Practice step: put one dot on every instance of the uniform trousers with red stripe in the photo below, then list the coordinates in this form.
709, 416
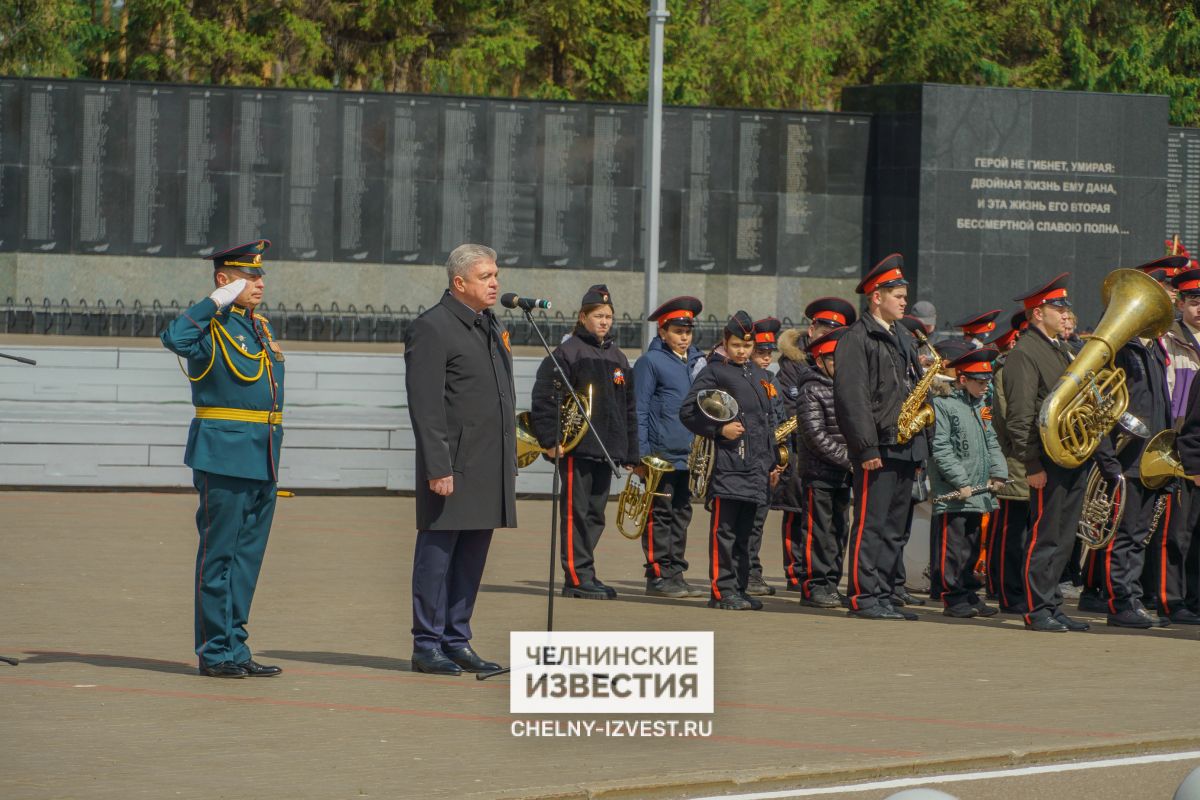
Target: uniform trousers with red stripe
1053, 519
665, 536
899, 572
1093, 573
791, 529
881, 503
820, 537
1175, 550
1006, 553
729, 546
957, 536
582, 498
755, 543
1121, 561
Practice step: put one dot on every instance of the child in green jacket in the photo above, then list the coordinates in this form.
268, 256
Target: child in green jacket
965, 469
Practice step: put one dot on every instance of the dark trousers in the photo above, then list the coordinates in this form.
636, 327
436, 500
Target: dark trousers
234, 521
1175, 552
1053, 519
882, 498
756, 539
447, 568
729, 546
1008, 537
1093, 573
1121, 560
582, 497
816, 539
665, 537
899, 573
957, 536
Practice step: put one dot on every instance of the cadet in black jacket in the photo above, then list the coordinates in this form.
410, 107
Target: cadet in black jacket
590, 358
744, 455
877, 368
824, 466
766, 332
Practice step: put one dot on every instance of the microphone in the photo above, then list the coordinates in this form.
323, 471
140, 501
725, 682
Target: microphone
510, 300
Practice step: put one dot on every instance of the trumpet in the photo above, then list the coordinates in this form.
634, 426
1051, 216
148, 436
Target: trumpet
574, 428
634, 503
720, 407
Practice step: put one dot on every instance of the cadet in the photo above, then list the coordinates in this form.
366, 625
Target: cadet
236, 371
661, 379
976, 326
766, 333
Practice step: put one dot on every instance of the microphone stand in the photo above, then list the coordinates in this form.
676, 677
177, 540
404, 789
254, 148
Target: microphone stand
561, 381
31, 362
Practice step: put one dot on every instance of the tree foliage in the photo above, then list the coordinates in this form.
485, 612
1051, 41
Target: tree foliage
760, 53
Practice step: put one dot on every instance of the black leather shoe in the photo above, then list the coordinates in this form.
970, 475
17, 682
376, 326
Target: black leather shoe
755, 603
821, 599
1046, 625
608, 590
1091, 601
226, 669
588, 591
434, 662
905, 598
734, 602
960, 611
1072, 624
664, 587
257, 670
984, 610
1185, 617
908, 615
1130, 619
875, 612
469, 660
757, 587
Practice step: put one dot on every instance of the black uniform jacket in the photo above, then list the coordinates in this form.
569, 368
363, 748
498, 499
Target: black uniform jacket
1146, 380
1188, 441
458, 372
1031, 369
742, 466
601, 365
876, 371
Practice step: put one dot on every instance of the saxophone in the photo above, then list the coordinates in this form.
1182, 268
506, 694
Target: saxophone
782, 432
916, 414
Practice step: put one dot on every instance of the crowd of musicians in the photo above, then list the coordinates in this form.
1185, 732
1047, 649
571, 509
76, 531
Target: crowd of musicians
862, 419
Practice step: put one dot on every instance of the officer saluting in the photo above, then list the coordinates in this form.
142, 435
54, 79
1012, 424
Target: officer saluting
236, 371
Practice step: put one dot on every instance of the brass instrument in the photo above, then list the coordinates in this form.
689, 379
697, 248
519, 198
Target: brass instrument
1160, 461
1104, 506
916, 414
574, 427
720, 407
634, 502
782, 432
1091, 395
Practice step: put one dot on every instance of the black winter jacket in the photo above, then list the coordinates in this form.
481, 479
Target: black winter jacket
822, 457
876, 371
742, 466
601, 365
1146, 379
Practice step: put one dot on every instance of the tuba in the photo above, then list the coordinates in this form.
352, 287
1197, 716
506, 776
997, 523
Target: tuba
574, 427
720, 407
1090, 396
1104, 506
1160, 461
916, 414
634, 503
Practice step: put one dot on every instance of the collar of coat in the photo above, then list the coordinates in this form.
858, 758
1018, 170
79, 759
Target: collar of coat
589, 337
461, 310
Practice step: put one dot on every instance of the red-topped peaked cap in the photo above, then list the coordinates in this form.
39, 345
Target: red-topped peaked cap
766, 331
884, 275
677, 311
831, 311
978, 323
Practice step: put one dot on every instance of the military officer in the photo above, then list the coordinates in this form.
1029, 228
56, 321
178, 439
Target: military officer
236, 372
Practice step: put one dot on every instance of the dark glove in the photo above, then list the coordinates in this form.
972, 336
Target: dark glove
1109, 467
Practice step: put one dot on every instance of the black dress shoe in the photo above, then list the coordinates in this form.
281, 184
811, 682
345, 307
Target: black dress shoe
733, 602
960, 611
608, 590
1129, 618
588, 591
908, 615
434, 662
226, 669
821, 599
1091, 601
1072, 624
984, 610
905, 598
875, 612
257, 670
1046, 625
469, 660
664, 587
1185, 617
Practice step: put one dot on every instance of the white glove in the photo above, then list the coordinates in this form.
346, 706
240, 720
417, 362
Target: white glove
224, 295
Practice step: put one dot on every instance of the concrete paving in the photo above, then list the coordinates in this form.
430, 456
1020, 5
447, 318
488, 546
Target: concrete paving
96, 601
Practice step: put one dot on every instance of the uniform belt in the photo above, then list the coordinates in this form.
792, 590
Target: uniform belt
240, 415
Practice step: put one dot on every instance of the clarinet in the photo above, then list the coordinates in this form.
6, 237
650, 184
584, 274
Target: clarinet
948, 496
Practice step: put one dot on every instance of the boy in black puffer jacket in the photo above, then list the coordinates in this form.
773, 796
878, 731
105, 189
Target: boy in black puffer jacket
589, 357
824, 466
743, 457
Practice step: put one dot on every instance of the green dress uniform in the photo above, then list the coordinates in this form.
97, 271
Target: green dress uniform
236, 372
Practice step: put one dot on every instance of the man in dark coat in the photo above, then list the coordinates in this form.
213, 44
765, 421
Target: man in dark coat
1056, 494
458, 373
